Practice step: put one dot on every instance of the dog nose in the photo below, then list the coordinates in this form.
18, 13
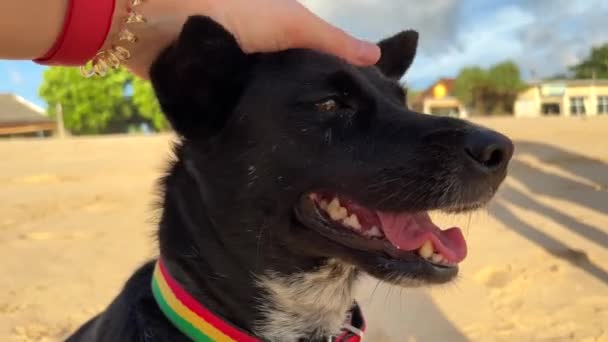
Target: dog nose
490, 150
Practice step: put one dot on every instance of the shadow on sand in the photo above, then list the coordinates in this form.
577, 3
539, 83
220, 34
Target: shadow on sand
412, 315
592, 194
394, 314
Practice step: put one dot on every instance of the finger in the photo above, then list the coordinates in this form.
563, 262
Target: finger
313, 32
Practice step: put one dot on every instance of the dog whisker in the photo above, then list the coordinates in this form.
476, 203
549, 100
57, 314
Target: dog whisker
374, 290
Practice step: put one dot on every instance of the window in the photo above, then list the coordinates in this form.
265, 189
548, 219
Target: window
602, 104
577, 105
550, 109
446, 111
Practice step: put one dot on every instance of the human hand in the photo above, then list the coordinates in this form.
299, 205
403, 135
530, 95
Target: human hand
258, 25
275, 25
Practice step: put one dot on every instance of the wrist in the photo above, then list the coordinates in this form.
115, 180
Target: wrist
164, 21
118, 18
84, 29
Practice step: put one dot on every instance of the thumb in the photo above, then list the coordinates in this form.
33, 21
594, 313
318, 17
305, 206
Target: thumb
312, 32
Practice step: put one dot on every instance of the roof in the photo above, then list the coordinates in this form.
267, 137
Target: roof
15, 110
448, 83
573, 83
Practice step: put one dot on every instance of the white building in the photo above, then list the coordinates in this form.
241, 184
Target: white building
563, 98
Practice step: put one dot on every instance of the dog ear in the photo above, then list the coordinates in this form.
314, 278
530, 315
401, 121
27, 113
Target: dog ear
398, 53
199, 78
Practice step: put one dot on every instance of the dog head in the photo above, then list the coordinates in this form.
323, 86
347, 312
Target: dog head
303, 157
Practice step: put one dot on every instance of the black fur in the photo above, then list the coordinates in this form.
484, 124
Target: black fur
254, 141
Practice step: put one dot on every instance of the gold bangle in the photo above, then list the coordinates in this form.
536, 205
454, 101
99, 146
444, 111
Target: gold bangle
116, 54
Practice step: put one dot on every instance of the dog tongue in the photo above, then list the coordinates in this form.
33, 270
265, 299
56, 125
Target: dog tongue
409, 232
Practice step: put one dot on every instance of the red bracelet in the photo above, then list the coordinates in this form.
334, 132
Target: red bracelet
85, 29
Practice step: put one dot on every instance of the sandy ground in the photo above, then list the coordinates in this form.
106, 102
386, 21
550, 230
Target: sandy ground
76, 218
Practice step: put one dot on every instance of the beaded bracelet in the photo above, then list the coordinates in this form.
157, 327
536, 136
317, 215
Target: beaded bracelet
117, 53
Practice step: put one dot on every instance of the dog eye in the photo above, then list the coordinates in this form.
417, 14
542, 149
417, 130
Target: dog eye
329, 105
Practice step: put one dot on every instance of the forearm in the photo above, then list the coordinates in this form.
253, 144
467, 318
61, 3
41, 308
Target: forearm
30, 27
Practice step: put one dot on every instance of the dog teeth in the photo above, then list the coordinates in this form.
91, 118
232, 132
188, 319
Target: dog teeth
352, 221
336, 211
374, 232
426, 251
437, 258
338, 214
334, 204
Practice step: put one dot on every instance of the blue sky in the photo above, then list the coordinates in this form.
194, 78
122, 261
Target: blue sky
22, 78
542, 36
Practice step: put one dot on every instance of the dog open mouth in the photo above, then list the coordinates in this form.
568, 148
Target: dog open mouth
401, 237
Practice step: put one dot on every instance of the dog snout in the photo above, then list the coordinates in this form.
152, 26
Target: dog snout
489, 150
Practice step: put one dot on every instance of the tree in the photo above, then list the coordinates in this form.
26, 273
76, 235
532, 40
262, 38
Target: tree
145, 100
505, 77
596, 64
115, 103
469, 86
505, 83
491, 91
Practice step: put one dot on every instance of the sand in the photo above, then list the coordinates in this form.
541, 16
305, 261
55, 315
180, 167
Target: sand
77, 217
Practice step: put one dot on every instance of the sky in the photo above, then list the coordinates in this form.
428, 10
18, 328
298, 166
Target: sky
543, 37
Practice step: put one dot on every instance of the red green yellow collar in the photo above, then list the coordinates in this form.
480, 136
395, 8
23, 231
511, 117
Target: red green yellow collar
201, 325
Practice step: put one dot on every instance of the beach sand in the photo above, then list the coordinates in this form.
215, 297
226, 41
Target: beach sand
77, 217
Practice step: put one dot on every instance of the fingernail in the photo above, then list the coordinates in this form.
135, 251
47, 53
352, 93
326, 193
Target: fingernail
367, 53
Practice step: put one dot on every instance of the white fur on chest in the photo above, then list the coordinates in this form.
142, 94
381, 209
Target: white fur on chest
309, 305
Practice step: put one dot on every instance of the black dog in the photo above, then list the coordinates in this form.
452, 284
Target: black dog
295, 173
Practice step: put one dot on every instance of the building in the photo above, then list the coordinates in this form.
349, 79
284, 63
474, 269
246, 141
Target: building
439, 99
563, 98
19, 117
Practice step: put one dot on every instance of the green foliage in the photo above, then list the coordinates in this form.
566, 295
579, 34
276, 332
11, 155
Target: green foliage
145, 100
596, 63
102, 104
469, 83
505, 78
491, 91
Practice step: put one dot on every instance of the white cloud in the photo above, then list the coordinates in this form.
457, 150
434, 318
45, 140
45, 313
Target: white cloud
490, 40
544, 36
562, 33
377, 19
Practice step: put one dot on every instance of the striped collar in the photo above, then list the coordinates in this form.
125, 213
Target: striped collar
200, 324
